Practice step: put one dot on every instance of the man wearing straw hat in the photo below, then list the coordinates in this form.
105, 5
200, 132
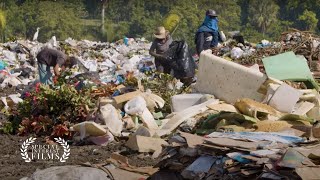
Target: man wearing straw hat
159, 46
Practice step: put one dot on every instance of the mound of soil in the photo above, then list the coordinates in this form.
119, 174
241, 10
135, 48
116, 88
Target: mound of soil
12, 166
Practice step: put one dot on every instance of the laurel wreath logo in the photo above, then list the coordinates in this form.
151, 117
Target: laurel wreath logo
66, 149
24, 148
29, 141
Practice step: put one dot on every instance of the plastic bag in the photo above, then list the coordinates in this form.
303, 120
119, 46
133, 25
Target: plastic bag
180, 60
135, 106
15, 98
111, 118
71, 42
223, 36
91, 65
11, 56
22, 57
236, 53
134, 60
128, 67
153, 100
2, 65
12, 80
265, 43
123, 49
4, 101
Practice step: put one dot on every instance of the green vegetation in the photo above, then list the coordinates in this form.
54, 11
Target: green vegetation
82, 19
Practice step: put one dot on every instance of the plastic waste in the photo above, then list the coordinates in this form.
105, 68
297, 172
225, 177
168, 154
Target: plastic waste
134, 60
236, 52
223, 36
135, 106
315, 43
4, 101
153, 100
126, 41
128, 67
22, 57
259, 136
10, 56
148, 119
91, 65
265, 43
238, 157
180, 59
111, 118
123, 49
71, 42
2, 65
12, 80
15, 98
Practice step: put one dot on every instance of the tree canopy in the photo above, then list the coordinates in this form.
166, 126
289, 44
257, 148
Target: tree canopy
82, 19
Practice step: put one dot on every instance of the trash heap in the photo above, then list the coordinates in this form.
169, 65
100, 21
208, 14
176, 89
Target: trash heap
110, 93
235, 122
257, 126
300, 42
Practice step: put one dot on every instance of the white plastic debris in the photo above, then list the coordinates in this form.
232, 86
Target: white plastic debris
15, 98
10, 56
135, 106
265, 42
223, 36
236, 52
111, 118
12, 80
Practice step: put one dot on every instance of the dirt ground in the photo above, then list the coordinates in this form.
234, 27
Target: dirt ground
13, 167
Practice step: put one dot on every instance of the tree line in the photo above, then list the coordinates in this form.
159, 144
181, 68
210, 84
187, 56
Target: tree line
110, 20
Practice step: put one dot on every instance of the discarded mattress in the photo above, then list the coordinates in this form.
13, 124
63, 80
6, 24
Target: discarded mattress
227, 80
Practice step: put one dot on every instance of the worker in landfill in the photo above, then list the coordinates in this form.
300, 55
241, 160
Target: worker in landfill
207, 35
48, 58
158, 48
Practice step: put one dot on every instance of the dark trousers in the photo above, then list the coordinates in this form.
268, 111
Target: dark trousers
161, 67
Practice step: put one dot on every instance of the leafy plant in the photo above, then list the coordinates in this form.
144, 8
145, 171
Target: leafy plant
164, 85
38, 125
60, 130
7, 128
49, 111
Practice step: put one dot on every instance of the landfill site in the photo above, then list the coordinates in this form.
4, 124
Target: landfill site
251, 112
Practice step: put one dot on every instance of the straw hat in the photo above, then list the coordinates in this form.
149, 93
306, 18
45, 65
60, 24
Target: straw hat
160, 33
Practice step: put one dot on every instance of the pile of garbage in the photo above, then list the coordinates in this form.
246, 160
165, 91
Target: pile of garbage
300, 42
257, 126
110, 86
234, 122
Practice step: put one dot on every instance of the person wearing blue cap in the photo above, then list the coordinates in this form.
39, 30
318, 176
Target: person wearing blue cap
207, 35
